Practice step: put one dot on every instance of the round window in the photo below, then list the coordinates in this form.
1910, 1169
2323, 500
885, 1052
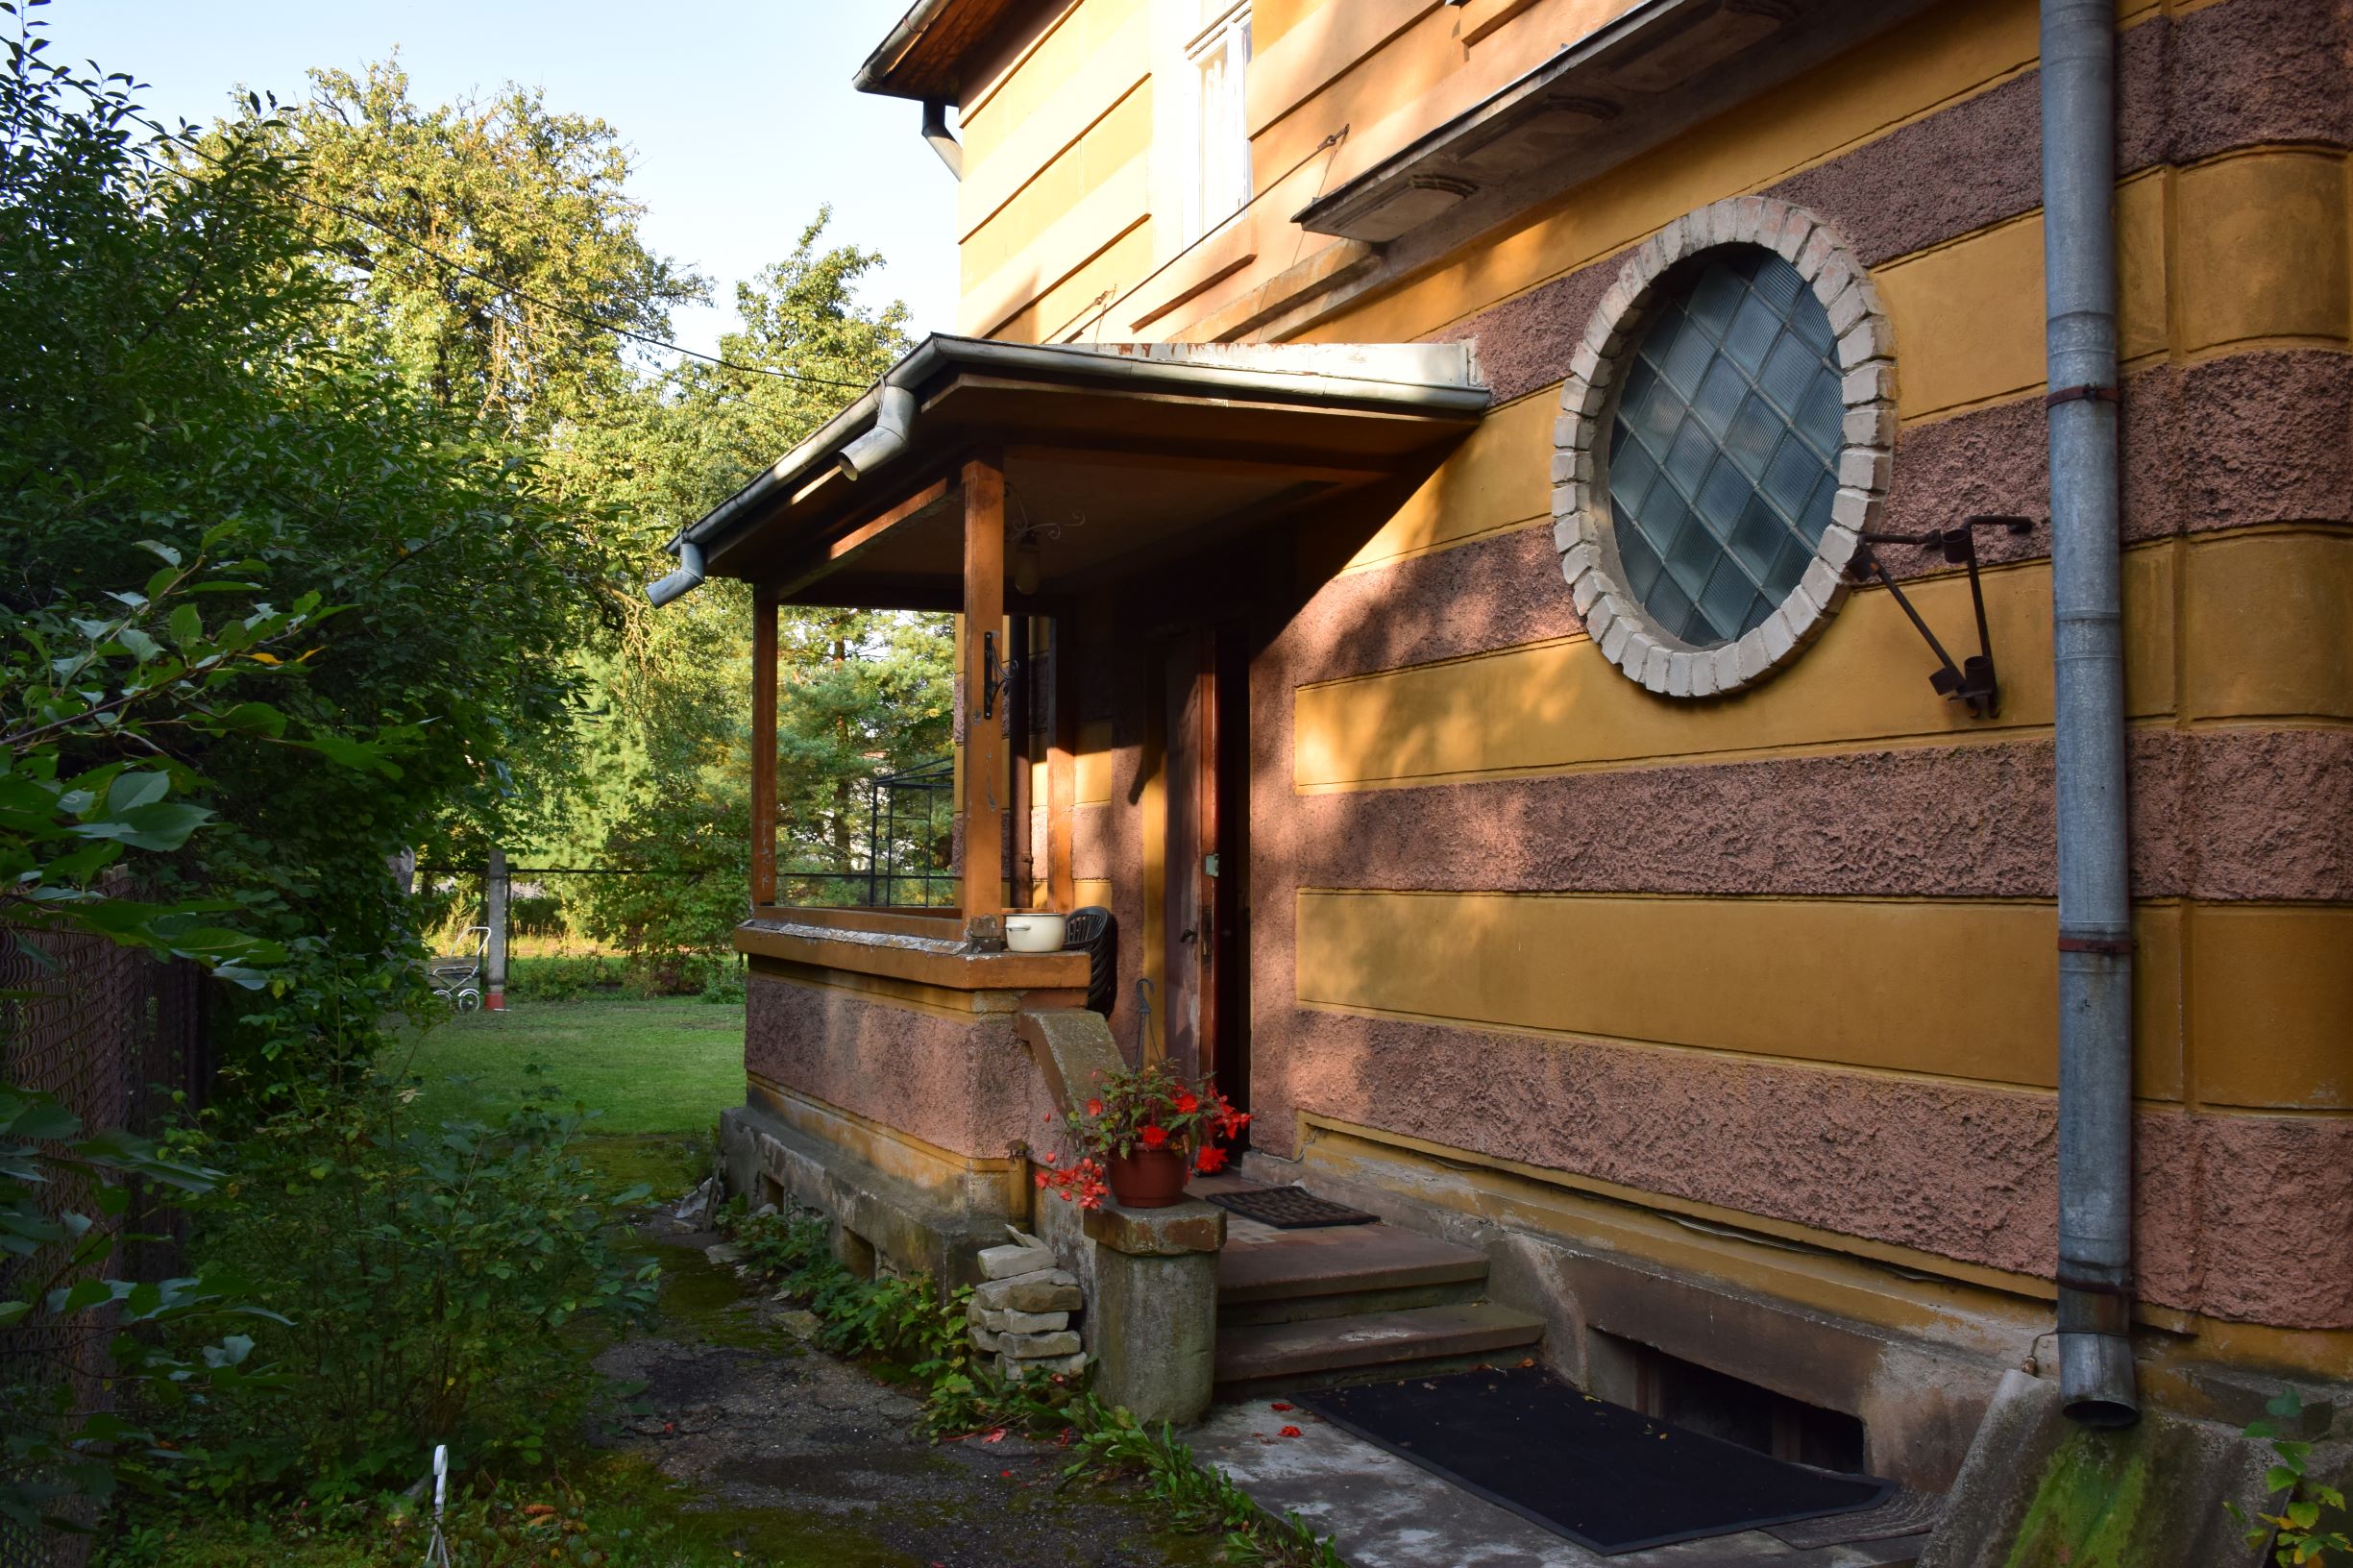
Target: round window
1727, 432
1723, 452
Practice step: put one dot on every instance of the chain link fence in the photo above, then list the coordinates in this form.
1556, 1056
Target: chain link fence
113, 1033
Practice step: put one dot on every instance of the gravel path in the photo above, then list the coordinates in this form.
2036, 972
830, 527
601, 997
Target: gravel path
826, 1463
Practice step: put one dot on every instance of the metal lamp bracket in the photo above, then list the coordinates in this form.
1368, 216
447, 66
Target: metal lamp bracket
1971, 682
996, 676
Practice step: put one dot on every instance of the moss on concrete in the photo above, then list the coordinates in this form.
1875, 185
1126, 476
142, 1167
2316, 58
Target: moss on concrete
701, 1301
2092, 1507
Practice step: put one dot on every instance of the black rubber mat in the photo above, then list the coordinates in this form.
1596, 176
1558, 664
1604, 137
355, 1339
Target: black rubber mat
1607, 1478
1905, 1513
1288, 1208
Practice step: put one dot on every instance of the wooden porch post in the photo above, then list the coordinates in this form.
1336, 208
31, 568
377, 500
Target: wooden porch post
763, 750
984, 746
1061, 768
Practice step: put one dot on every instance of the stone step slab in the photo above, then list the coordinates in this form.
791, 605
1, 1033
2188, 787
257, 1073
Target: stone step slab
1340, 1261
1044, 1290
1029, 1347
1012, 1261
1016, 1369
1265, 1355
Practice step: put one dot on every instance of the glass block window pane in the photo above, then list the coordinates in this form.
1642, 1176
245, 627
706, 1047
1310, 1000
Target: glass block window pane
1724, 451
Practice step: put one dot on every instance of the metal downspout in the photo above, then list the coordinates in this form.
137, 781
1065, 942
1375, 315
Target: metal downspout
2078, 88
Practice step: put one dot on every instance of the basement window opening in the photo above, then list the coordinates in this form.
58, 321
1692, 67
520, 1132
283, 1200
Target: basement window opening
1703, 1400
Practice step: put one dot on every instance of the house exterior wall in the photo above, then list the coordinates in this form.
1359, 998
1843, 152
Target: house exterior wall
1540, 955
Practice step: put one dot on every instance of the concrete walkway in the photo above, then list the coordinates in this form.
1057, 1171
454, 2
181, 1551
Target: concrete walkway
1384, 1512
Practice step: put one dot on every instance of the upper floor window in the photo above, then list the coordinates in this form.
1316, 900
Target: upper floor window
1218, 183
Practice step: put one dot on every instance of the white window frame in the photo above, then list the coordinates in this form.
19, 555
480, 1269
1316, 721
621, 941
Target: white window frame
1217, 131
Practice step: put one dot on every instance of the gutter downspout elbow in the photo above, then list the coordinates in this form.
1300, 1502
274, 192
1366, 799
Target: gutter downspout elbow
942, 140
2095, 1262
893, 418
681, 582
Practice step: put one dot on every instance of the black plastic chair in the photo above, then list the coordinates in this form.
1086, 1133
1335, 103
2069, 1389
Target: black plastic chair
1094, 932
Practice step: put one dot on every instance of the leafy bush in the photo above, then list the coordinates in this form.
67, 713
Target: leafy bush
57, 1457
2311, 1525
562, 977
899, 1318
537, 914
431, 1272
312, 473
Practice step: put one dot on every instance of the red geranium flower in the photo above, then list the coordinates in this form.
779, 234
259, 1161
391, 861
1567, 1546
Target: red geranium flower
1209, 1161
1154, 1137
1094, 1107
1186, 1102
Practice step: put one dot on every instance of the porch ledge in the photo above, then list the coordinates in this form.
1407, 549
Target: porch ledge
935, 961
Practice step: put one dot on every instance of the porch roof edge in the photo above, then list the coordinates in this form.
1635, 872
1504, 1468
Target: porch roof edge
1437, 379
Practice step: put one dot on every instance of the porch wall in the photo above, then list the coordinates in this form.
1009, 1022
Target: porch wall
903, 1112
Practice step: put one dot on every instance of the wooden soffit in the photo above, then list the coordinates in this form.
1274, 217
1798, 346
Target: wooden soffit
1641, 79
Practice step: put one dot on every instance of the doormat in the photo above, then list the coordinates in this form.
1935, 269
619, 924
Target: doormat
1288, 1208
1610, 1479
1905, 1513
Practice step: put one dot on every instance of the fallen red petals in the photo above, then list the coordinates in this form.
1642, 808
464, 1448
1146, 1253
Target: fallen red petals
1278, 1404
996, 1436
1291, 1431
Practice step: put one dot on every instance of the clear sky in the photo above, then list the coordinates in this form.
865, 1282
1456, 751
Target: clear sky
739, 113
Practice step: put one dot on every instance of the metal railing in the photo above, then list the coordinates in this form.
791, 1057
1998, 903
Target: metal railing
910, 847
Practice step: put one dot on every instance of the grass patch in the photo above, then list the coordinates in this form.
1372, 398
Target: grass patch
614, 1512
668, 1065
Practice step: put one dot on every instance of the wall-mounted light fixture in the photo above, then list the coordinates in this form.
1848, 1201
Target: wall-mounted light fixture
1971, 682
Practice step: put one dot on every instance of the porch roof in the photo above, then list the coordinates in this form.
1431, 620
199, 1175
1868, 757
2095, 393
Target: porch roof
1113, 455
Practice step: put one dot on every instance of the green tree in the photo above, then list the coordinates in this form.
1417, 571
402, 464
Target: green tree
179, 372
862, 693
490, 243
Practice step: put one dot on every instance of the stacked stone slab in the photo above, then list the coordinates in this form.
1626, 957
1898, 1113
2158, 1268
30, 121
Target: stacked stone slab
1022, 1308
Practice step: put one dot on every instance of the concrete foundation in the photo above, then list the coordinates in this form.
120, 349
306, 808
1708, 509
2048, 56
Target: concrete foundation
2039, 1491
881, 1222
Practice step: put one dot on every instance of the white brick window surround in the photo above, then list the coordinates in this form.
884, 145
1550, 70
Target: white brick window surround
1725, 434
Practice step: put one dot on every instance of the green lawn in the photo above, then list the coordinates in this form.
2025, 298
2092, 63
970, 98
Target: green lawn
667, 1066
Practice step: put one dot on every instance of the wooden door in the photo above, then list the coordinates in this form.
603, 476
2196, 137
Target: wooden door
1205, 906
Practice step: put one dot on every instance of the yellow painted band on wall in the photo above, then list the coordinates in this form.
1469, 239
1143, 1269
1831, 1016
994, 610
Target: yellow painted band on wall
1090, 90
995, 110
2260, 635
1075, 308
2247, 249
1496, 478
1969, 328
1092, 785
1947, 54
1950, 988
1068, 210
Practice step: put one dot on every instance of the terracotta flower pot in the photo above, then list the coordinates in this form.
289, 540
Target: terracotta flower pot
1148, 1178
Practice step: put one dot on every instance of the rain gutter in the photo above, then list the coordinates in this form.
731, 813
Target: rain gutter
875, 433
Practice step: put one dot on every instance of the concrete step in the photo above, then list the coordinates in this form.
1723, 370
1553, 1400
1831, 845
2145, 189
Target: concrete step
1256, 1359
1351, 1303
1320, 1273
